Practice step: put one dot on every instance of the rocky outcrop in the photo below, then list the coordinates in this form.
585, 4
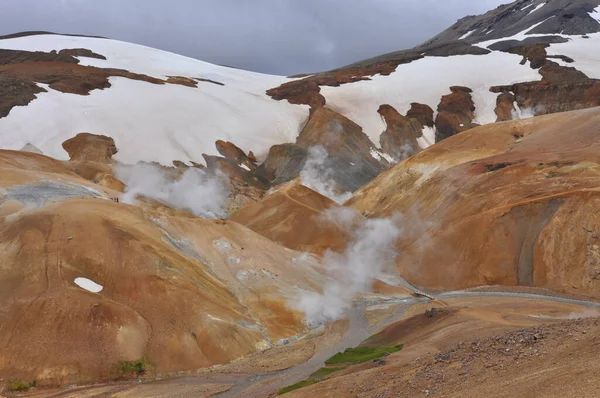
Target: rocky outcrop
299, 92
574, 20
566, 17
561, 89
81, 52
456, 112
246, 186
505, 108
21, 70
350, 152
400, 137
348, 156
230, 151
90, 148
16, 92
233, 172
421, 112
283, 163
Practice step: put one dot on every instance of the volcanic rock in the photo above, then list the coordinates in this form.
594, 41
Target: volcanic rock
283, 163
505, 107
456, 112
421, 112
90, 147
349, 152
230, 151
400, 137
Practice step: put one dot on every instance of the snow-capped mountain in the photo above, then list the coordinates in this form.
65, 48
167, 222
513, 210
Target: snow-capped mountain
512, 62
149, 122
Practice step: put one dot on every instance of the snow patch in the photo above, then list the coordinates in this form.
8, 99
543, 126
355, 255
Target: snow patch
243, 166
526, 7
88, 285
378, 155
469, 33
583, 51
596, 13
537, 8
152, 122
425, 81
522, 35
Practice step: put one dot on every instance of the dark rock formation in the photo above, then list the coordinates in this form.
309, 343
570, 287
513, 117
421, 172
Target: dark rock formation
21, 70
283, 163
505, 107
16, 92
349, 156
423, 113
456, 112
561, 88
230, 151
399, 139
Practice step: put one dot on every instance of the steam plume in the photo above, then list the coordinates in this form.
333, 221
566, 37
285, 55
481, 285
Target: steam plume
195, 191
351, 272
318, 177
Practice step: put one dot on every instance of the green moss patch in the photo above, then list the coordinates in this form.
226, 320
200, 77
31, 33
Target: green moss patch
341, 361
361, 354
20, 385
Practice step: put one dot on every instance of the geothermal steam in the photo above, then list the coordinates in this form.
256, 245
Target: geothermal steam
351, 272
318, 177
194, 191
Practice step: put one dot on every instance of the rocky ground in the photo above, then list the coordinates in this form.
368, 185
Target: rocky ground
528, 362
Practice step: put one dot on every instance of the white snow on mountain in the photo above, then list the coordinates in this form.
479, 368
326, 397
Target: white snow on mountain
536, 8
585, 53
426, 81
469, 33
173, 122
153, 122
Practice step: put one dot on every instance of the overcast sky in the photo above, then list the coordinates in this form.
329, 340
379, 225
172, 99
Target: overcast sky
272, 36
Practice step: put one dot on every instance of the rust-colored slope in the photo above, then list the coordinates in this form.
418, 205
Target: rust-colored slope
178, 291
512, 203
295, 217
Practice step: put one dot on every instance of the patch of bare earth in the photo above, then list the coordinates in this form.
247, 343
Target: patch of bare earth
21, 70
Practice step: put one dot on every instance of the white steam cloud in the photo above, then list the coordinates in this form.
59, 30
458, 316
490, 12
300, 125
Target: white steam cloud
318, 177
194, 191
526, 113
351, 272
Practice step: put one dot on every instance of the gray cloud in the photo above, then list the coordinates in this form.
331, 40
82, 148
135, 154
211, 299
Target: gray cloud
271, 36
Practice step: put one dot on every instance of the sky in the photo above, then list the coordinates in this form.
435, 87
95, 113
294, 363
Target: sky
283, 37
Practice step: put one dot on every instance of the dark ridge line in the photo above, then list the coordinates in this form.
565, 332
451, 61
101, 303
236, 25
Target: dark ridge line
41, 32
